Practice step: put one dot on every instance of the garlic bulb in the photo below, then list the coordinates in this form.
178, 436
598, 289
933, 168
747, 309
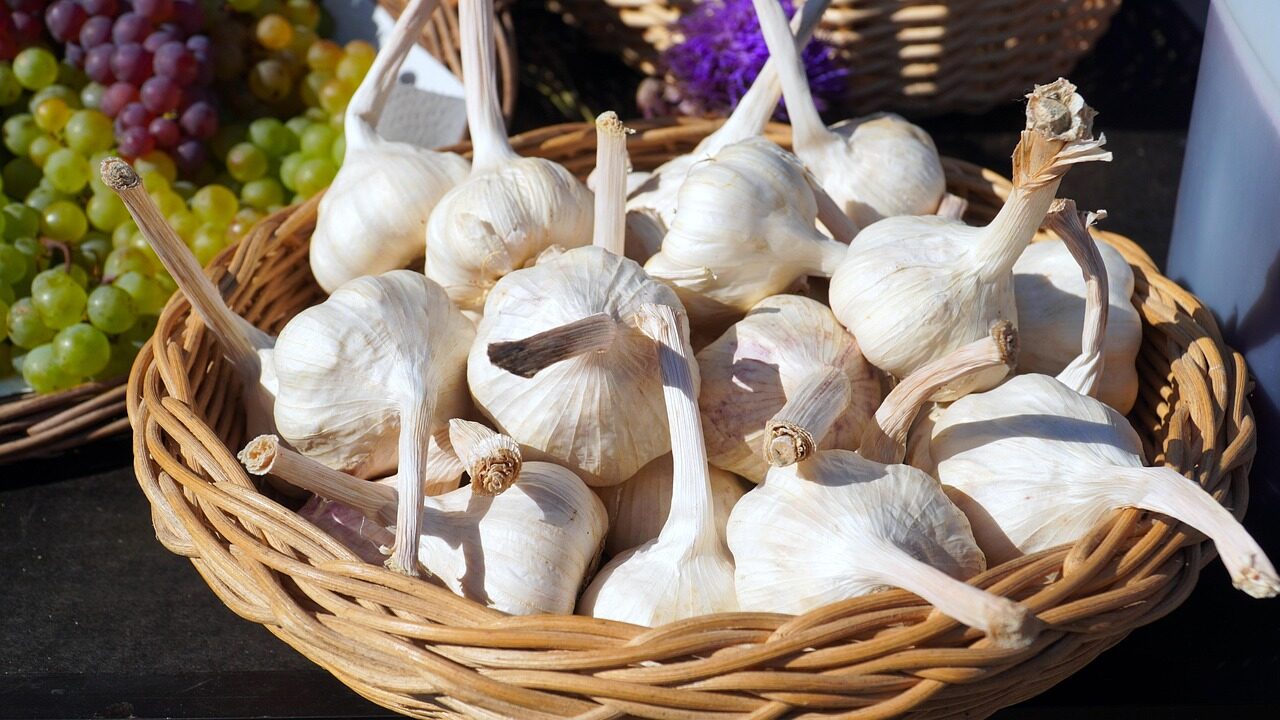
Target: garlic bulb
839, 525
638, 507
363, 376
651, 206
1050, 296
912, 289
686, 571
510, 208
1035, 465
874, 167
524, 551
562, 330
247, 348
785, 380
745, 230
374, 214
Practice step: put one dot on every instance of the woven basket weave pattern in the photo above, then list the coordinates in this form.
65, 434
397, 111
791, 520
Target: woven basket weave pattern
915, 56
418, 649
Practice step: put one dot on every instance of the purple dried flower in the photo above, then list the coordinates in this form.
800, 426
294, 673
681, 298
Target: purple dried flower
723, 51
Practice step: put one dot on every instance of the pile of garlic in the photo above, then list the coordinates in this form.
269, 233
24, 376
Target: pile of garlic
636, 382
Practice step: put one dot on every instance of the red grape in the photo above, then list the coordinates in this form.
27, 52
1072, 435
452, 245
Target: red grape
158, 38
174, 60
117, 97
190, 156
189, 15
64, 19
97, 63
165, 131
27, 6
135, 141
155, 10
131, 63
27, 29
135, 114
160, 94
101, 7
95, 31
73, 55
200, 120
130, 28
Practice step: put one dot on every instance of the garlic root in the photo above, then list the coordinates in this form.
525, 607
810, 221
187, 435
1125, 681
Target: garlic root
492, 460
265, 455
795, 431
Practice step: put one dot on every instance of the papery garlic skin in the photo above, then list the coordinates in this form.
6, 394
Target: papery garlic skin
599, 414
744, 230
1036, 465
749, 373
639, 507
1050, 296
531, 549
373, 216
338, 365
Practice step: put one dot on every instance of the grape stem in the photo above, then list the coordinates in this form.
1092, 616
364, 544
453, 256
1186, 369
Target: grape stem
62, 247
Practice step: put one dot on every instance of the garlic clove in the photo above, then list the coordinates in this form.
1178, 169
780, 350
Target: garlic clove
510, 208
363, 377
1051, 301
639, 507
784, 381
374, 214
687, 570
874, 167
1035, 465
912, 289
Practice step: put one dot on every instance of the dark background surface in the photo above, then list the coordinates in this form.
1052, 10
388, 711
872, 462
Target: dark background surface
99, 620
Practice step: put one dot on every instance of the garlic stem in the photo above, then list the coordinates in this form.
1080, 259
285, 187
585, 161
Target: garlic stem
1006, 623
266, 455
414, 440
798, 428
370, 98
479, 76
610, 230
528, 357
1084, 373
808, 128
239, 338
885, 439
492, 459
1164, 490
839, 225
691, 521
1058, 135
755, 108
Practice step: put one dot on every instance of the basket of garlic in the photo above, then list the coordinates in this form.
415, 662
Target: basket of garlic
695, 484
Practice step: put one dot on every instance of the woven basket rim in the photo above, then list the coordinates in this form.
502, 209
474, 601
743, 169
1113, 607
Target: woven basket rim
882, 654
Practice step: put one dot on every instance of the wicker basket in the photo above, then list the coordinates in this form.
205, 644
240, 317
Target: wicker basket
418, 649
440, 38
919, 57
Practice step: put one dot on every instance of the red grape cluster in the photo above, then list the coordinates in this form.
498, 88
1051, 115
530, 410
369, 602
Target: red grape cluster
20, 28
156, 67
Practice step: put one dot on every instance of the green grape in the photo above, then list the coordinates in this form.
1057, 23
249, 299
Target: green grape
246, 162
336, 93
140, 332
156, 161
35, 68
42, 372
63, 93
207, 243
19, 131
312, 83
315, 115
126, 259
21, 176
95, 177
226, 138
215, 204
60, 305
14, 265
91, 95
303, 12
317, 140
297, 125
338, 152
289, 169
71, 76
67, 170
139, 242
2, 224
93, 249
185, 223
10, 88
26, 329
185, 189
41, 148
123, 233
53, 279
64, 220
168, 201
81, 350
153, 180
314, 175
148, 296
42, 197
270, 80
122, 355
52, 114
20, 221
106, 212
166, 283
303, 38
272, 137
88, 132
262, 193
